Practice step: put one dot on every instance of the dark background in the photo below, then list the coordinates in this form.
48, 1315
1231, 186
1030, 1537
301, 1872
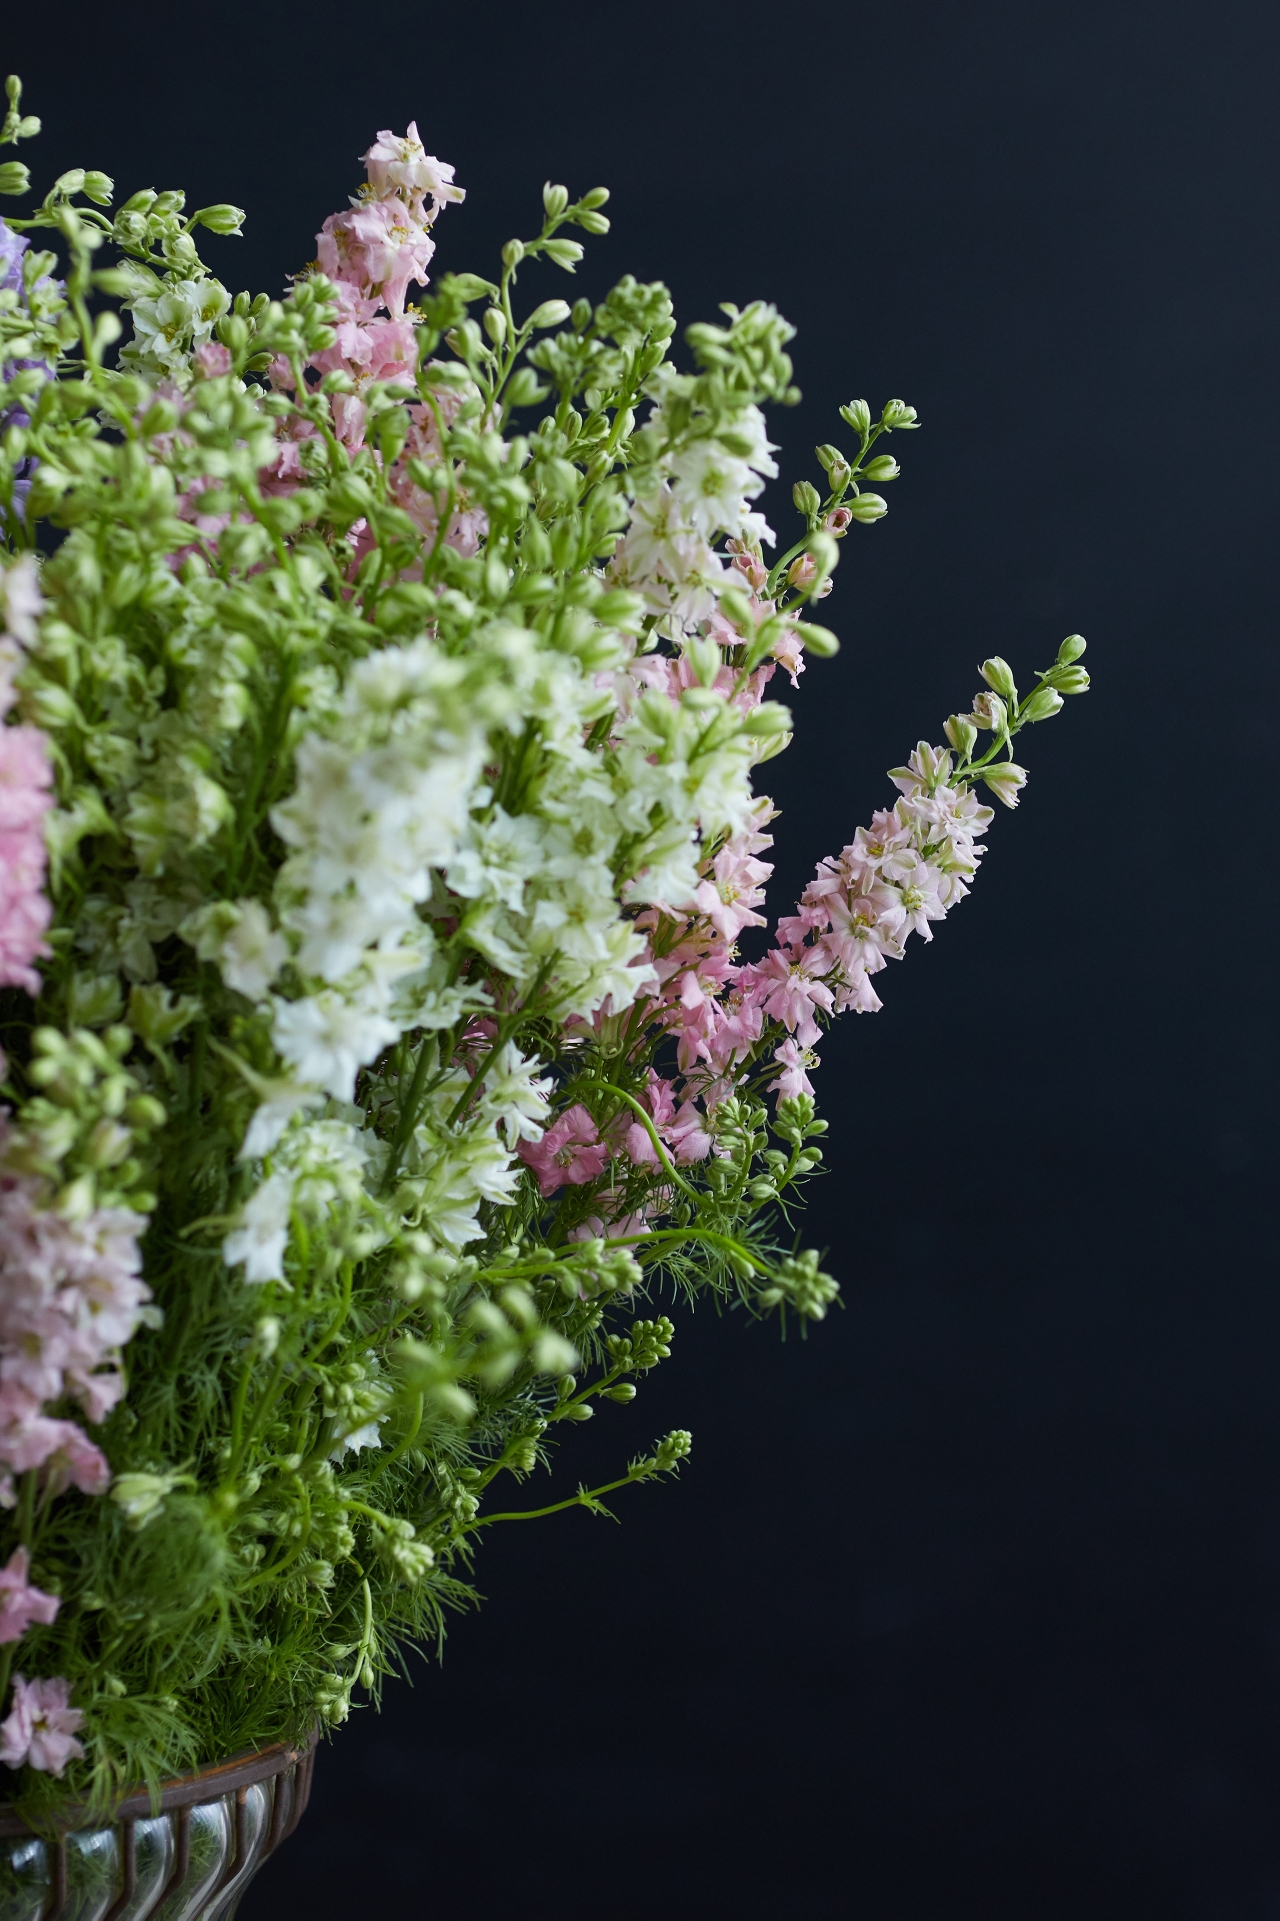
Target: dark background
968, 1606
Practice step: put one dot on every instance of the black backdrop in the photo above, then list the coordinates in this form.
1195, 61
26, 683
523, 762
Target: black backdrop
970, 1604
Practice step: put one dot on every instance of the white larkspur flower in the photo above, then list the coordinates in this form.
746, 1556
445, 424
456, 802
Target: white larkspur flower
21, 602
260, 1240
252, 951
713, 488
514, 1100
281, 1100
327, 1039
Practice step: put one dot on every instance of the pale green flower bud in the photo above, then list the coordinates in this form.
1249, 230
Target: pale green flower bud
825, 551
555, 200
867, 507
222, 218
1045, 702
999, 677
108, 1144
962, 733
858, 416
830, 456
818, 641
898, 414
266, 1335
597, 197
98, 187
69, 182
592, 222
807, 498
512, 255
735, 605
495, 325
565, 253
14, 178
1068, 680
883, 467
141, 1496
550, 314
768, 721
1005, 781
551, 1353
704, 658
1071, 649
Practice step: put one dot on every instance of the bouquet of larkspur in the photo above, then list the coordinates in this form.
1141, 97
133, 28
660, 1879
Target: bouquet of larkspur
382, 692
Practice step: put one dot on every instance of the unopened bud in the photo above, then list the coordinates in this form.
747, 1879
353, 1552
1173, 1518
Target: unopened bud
495, 325
829, 456
999, 676
1005, 780
550, 314
1041, 705
807, 498
867, 507
819, 641
768, 720
512, 255
1068, 680
222, 218
858, 416
883, 467
735, 605
267, 1335
108, 1144
961, 733
898, 414
1071, 649
565, 253
555, 200
704, 658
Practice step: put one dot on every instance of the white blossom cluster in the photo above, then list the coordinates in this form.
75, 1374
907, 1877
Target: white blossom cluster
397, 842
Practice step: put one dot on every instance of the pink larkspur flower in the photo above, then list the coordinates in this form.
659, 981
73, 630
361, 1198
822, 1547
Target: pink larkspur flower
20, 1602
40, 1731
570, 1152
211, 359
397, 163
26, 777
793, 1060
788, 987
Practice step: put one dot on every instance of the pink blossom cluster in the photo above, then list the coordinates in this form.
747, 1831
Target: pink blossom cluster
572, 1151
372, 253
40, 1731
71, 1293
26, 780
895, 878
20, 1602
